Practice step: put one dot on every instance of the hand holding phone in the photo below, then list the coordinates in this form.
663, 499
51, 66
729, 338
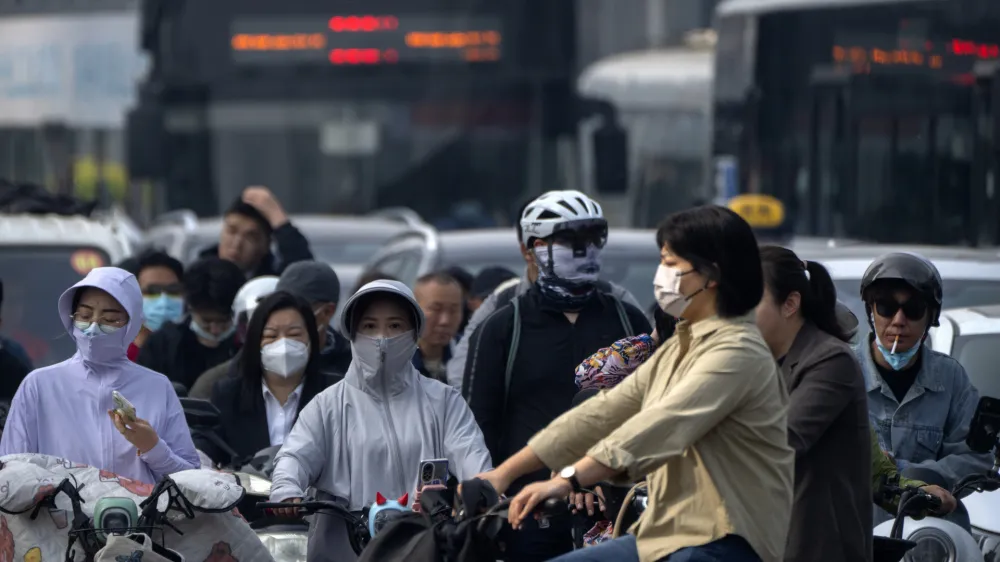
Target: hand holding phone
123, 407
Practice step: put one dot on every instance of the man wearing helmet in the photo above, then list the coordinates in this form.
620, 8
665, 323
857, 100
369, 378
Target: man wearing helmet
505, 292
521, 360
920, 401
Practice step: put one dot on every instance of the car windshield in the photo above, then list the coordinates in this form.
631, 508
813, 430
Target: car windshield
980, 354
33, 279
958, 293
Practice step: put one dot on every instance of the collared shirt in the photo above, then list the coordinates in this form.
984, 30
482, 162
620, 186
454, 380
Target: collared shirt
705, 421
434, 369
280, 417
929, 426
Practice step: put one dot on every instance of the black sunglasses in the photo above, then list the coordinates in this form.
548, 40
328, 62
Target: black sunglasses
913, 309
582, 237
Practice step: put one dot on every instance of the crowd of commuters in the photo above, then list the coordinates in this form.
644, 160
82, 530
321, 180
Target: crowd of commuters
758, 429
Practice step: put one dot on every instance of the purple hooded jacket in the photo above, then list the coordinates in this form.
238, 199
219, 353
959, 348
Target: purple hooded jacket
61, 410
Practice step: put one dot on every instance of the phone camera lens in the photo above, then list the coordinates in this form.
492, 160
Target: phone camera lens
428, 471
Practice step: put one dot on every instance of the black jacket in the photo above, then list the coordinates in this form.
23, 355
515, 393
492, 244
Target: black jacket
12, 372
542, 385
336, 357
174, 350
244, 423
292, 247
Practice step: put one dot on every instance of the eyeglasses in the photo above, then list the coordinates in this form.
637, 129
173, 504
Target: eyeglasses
175, 289
88, 318
913, 309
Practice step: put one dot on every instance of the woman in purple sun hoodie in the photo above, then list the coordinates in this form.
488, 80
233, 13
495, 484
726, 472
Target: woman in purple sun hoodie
66, 410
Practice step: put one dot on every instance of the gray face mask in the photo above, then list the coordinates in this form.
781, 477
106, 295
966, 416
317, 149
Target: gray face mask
386, 356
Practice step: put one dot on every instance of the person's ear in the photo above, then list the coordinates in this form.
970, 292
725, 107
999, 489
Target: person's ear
792, 304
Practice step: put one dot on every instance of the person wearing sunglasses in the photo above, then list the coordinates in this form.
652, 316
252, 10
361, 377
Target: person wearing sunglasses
919, 400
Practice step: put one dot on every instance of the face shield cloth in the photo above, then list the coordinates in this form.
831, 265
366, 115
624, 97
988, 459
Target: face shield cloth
383, 356
160, 309
97, 343
567, 276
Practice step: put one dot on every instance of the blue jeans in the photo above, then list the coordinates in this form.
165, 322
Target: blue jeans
731, 548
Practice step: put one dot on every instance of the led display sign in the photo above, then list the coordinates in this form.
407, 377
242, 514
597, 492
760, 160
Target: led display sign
351, 40
862, 54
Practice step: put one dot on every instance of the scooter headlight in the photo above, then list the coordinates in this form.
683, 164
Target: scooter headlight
285, 547
933, 545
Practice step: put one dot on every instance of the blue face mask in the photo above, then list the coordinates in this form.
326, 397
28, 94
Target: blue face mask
160, 309
900, 359
206, 335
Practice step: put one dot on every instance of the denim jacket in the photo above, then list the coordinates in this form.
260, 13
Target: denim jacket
928, 429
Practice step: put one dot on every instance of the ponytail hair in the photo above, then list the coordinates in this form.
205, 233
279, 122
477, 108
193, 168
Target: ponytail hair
785, 273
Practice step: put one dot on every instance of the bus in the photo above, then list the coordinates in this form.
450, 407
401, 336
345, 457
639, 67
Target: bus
663, 100
868, 119
446, 107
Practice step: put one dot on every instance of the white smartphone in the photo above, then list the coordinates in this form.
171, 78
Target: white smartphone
123, 407
433, 472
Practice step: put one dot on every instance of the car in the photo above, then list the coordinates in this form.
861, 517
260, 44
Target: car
334, 239
629, 259
971, 277
972, 336
42, 256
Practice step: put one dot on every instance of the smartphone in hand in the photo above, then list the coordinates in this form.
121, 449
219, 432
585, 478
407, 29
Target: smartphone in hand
123, 407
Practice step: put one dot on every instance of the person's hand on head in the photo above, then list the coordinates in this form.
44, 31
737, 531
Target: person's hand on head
264, 201
138, 432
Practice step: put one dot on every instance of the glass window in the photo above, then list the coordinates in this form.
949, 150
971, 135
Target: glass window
33, 279
980, 356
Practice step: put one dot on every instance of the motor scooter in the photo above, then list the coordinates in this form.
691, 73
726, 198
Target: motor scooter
280, 536
941, 540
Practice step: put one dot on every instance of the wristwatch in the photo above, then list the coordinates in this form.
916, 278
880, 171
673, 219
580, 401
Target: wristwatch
569, 473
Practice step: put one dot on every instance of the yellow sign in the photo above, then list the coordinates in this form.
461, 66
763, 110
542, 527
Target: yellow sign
83, 261
759, 210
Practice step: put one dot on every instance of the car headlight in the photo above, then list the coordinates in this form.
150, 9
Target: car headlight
933, 545
285, 547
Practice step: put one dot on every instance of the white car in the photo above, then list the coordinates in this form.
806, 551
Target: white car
41, 256
972, 336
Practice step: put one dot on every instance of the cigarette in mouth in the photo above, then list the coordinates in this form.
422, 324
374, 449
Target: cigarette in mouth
894, 344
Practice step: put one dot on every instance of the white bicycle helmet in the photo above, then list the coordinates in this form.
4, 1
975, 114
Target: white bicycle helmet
251, 293
560, 210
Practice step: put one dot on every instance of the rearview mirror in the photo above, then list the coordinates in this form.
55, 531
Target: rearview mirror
200, 413
611, 158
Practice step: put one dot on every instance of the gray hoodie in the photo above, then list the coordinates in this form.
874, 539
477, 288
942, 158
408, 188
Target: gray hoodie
460, 351
368, 433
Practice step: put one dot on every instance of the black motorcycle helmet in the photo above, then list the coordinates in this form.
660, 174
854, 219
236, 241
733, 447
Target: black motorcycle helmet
913, 270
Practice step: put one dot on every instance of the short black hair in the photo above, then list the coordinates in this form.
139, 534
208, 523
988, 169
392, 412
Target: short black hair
250, 368
463, 277
440, 277
722, 247
211, 283
158, 258
241, 207
129, 264
369, 276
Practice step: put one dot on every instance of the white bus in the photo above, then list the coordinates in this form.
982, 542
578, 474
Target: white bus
663, 99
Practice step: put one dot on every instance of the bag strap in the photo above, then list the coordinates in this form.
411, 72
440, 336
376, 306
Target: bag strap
515, 339
622, 315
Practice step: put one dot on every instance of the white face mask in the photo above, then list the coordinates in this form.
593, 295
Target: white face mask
667, 290
382, 355
284, 357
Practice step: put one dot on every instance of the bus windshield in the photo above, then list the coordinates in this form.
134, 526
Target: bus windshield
868, 122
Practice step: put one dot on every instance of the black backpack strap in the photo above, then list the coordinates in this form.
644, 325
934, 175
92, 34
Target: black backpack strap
622, 316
